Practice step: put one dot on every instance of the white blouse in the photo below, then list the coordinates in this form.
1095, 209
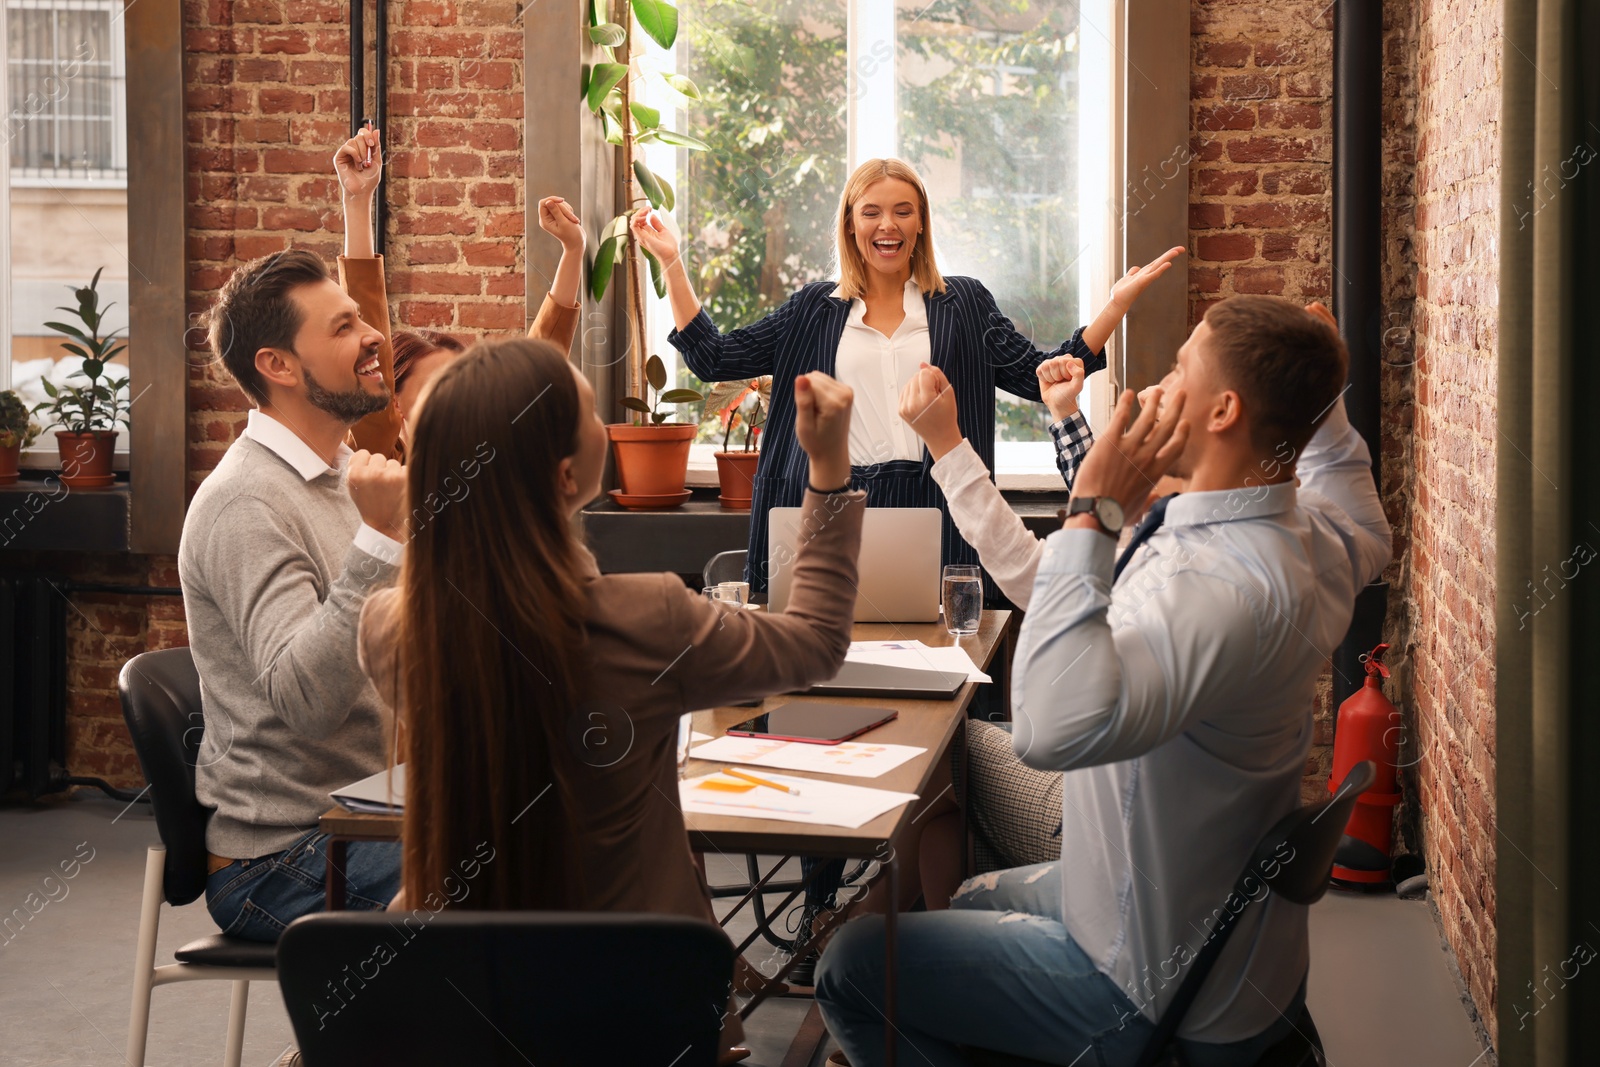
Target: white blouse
878, 368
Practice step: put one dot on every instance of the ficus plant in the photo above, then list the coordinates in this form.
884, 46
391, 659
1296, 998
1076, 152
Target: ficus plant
655, 373
97, 405
610, 92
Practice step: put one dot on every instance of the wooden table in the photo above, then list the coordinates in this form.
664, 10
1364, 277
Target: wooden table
928, 724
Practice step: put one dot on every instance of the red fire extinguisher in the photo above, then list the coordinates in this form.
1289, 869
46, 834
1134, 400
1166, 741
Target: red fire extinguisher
1366, 730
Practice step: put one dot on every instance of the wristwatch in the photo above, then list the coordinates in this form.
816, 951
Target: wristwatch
1106, 511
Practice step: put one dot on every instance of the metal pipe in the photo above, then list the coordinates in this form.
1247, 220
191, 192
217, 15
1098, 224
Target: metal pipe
381, 108
358, 72
130, 590
1357, 270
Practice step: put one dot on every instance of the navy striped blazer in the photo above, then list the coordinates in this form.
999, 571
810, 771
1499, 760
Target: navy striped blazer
976, 346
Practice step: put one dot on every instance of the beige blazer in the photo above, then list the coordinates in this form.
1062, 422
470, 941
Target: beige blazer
656, 650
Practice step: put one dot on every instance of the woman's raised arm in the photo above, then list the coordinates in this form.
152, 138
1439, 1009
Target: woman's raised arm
657, 238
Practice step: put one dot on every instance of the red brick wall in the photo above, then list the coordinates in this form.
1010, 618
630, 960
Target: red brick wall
1260, 184
1450, 587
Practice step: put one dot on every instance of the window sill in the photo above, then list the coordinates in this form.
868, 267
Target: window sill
704, 476
40, 514
42, 461
682, 539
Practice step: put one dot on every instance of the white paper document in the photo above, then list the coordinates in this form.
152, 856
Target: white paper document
819, 803
915, 654
853, 759
376, 794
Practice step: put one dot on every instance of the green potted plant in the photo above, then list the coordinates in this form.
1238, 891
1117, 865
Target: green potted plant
91, 412
741, 403
610, 94
653, 458
17, 432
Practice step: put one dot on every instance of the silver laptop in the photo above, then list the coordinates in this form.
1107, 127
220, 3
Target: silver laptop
899, 565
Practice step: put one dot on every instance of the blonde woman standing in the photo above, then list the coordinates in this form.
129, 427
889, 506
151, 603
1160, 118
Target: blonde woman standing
890, 311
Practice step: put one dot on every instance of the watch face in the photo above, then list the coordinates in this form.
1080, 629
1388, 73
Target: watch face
1109, 512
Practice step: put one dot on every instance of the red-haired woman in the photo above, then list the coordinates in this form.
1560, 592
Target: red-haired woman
361, 274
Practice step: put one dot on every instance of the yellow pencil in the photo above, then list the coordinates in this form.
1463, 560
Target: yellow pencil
761, 781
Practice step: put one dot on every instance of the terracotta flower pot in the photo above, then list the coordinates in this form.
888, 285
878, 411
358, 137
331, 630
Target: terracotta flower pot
736, 471
86, 458
651, 460
10, 456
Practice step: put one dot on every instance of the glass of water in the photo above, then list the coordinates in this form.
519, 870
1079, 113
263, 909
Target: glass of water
685, 732
961, 593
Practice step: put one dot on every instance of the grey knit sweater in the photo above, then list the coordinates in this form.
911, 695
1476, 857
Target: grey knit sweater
273, 586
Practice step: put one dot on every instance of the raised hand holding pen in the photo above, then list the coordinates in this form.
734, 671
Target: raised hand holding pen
359, 165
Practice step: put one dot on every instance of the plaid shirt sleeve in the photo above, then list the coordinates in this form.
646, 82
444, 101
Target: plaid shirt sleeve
1073, 438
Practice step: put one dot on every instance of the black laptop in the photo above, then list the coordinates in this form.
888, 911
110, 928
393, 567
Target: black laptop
873, 680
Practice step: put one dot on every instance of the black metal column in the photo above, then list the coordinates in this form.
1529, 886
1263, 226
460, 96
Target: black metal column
1357, 270
358, 65
380, 16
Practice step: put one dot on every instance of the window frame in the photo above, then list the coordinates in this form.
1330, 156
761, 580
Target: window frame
1139, 220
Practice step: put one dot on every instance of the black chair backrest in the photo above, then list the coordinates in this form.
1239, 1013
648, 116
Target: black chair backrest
161, 704
514, 988
1293, 860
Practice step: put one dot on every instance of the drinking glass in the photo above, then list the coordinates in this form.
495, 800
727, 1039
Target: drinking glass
740, 591
961, 593
684, 721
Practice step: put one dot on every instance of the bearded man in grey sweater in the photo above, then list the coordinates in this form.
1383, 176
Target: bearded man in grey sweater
281, 547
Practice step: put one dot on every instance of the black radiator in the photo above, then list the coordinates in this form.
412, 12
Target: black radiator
33, 683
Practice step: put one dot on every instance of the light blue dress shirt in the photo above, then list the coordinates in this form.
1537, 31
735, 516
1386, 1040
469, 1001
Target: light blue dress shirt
1180, 702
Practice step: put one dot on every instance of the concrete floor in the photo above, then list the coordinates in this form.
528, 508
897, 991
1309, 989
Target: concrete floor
1381, 987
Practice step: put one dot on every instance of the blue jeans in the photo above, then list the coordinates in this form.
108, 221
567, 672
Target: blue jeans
997, 971
255, 899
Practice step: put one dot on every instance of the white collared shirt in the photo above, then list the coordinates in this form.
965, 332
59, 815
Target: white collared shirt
878, 368
288, 446
1179, 704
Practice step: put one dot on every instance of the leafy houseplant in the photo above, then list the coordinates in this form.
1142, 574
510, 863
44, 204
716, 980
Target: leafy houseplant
736, 470
17, 432
652, 456
656, 379
90, 413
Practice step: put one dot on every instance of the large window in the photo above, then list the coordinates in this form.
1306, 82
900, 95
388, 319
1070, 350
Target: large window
982, 97
63, 196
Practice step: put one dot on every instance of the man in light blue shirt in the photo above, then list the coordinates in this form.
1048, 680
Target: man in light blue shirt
1175, 687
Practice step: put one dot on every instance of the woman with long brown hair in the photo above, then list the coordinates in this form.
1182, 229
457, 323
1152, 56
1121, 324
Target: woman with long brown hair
539, 699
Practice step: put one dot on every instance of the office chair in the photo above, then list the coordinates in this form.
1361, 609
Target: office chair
161, 704
1312, 835
512, 988
724, 567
